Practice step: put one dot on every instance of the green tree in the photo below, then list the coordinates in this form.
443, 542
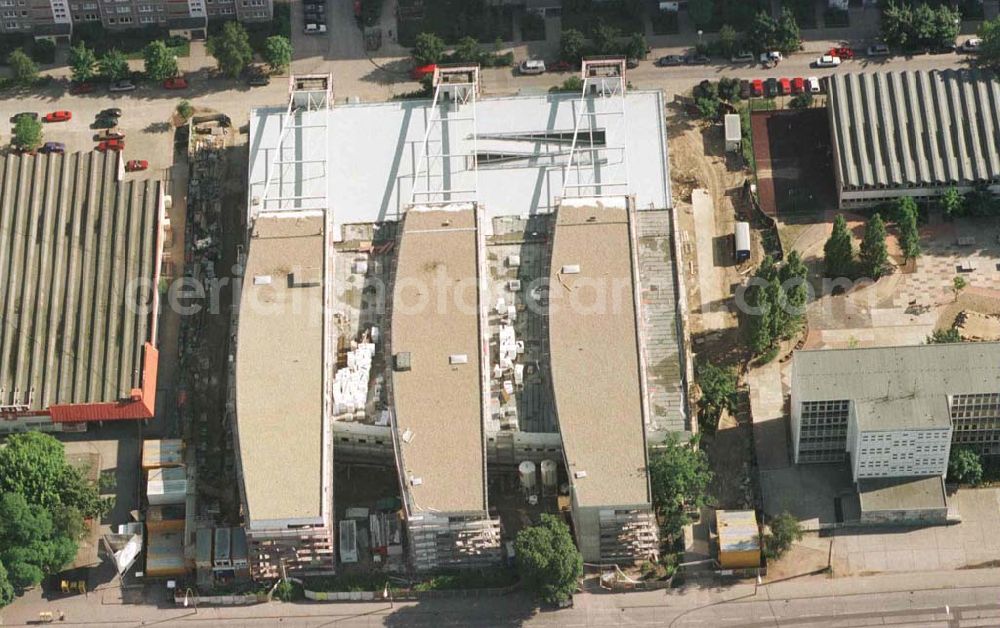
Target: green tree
718, 393
467, 50
547, 560
24, 69
27, 133
946, 24
787, 32
679, 475
160, 62
605, 38
428, 48
701, 12
897, 24
944, 336
958, 284
759, 319
784, 530
81, 62
185, 110
231, 49
572, 45
780, 318
763, 32
964, 466
112, 66
794, 276
874, 255
924, 26
838, 251
277, 52
636, 47
729, 89
6, 588
989, 49
708, 108
30, 544
34, 465
909, 234
801, 101
952, 203
729, 40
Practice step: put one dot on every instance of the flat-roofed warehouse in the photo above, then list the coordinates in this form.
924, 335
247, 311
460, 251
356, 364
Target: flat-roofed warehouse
438, 385
913, 133
284, 452
597, 378
80, 253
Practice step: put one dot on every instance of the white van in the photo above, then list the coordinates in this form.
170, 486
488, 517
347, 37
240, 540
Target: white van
812, 85
532, 66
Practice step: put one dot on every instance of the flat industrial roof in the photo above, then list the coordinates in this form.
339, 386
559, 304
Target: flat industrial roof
917, 412
279, 371
881, 494
74, 243
594, 353
915, 128
439, 405
876, 373
738, 530
522, 143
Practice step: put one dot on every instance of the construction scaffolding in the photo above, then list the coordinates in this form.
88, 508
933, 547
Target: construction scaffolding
445, 175
594, 168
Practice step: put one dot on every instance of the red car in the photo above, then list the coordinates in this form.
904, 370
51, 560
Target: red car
559, 66
81, 88
757, 87
177, 82
844, 52
136, 165
784, 86
58, 116
798, 85
421, 71
111, 145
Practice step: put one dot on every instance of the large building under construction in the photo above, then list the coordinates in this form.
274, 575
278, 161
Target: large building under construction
499, 276
80, 255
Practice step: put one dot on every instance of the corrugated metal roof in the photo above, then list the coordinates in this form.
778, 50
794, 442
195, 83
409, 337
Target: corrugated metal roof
907, 129
879, 373
74, 242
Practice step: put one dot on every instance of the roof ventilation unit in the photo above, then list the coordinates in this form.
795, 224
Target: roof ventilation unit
401, 361
458, 358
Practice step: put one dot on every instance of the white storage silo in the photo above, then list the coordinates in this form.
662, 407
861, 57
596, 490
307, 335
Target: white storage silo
526, 471
550, 475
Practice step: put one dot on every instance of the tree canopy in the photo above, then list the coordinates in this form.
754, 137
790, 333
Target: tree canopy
944, 336
112, 66
231, 49
34, 465
278, 52
874, 255
701, 11
964, 466
838, 251
428, 48
160, 61
912, 27
572, 45
81, 62
718, 393
548, 560
906, 220
27, 133
989, 48
776, 298
25, 70
679, 476
785, 529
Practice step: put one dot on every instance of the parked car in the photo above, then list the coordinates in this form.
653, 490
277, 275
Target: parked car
105, 122
631, 63
757, 87
58, 116
670, 60
258, 80
111, 145
878, 50
81, 88
109, 134
768, 58
176, 82
826, 61
744, 89
941, 49
122, 86
136, 165
24, 114
531, 66
771, 87
798, 85
113, 112
53, 147
696, 59
315, 29
844, 52
784, 86
314, 15
971, 45
421, 71
742, 57
813, 85
559, 66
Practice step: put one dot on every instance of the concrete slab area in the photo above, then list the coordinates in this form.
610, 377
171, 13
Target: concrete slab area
710, 278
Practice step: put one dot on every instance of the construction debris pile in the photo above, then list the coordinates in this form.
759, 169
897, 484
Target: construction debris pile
507, 373
350, 384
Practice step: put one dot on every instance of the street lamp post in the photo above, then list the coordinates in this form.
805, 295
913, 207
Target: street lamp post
699, 36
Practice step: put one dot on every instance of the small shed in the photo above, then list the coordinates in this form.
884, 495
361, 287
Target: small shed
203, 548
223, 556
165, 554
166, 486
734, 132
168, 452
739, 539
